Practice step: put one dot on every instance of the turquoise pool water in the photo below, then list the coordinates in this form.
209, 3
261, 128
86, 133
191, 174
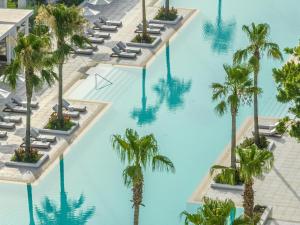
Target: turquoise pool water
172, 99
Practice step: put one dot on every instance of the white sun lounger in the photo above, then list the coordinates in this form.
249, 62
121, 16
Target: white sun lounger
38, 144
71, 108
110, 22
156, 26
268, 133
18, 101
96, 40
97, 34
83, 51
118, 53
3, 134
39, 137
149, 30
104, 27
72, 114
13, 108
11, 119
268, 126
6, 125
124, 48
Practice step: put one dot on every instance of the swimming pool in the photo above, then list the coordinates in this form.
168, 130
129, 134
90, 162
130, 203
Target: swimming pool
172, 100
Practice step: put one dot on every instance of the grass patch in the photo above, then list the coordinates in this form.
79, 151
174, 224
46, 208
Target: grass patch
54, 123
163, 14
21, 155
143, 39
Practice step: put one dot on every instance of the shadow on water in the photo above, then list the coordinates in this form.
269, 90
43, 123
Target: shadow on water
221, 33
69, 211
145, 114
171, 89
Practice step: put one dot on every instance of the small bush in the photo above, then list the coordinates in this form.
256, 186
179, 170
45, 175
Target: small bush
54, 123
250, 141
228, 176
163, 14
143, 39
23, 156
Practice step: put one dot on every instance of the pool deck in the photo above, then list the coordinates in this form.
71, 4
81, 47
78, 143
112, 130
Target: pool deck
279, 189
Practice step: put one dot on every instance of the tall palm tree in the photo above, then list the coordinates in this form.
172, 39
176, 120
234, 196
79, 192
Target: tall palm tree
236, 90
259, 44
66, 25
171, 89
221, 33
145, 114
145, 34
215, 212
31, 57
253, 164
139, 153
68, 212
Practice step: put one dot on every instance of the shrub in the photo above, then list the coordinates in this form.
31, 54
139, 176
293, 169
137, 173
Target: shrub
23, 156
250, 141
228, 176
163, 14
54, 123
143, 39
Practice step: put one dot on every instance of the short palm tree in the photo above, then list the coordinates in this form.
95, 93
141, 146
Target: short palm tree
139, 153
31, 57
215, 212
253, 164
236, 90
66, 25
258, 45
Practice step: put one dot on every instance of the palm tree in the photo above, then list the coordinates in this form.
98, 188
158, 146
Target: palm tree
145, 114
221, 33
145, 35
69, 212
31, 56
171, 89
253, 164
215, 212
139, 153
258, 44
66, 24
236, 90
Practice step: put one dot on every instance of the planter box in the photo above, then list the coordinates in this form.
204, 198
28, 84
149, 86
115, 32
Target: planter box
145, 45
264, 217
227, 187
36, 165
167, 22
60, 132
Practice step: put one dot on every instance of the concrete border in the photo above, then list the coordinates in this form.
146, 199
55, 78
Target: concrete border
168, 22
60, 132
215, 185
265, 216
145, 45
36, 165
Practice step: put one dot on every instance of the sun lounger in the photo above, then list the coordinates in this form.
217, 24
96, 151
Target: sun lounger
124, 48
104, 27
268, 126
6, 125
268, 133
3, 134
110, 22
13, 108
149, 30
156, 26
39, 137
72, 114
83, 51
98, 34
71, 108
11, 119
93, 47
96, 40
38, 144
18, 101
118, 53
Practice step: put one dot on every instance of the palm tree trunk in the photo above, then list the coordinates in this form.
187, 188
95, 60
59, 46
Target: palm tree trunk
255, 102
28, 113
167, 7
248, 199
144, 20
137, 200
60, 95
233, 140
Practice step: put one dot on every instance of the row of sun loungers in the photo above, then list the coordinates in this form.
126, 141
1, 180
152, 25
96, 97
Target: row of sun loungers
122, 51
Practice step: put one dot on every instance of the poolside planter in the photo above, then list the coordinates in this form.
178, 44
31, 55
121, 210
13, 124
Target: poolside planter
60, 132
227, 187
36, 165
167, 22
145, 45
264, 217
